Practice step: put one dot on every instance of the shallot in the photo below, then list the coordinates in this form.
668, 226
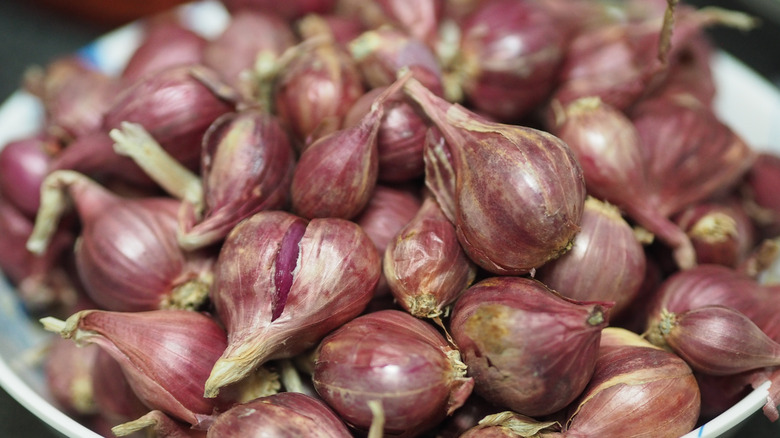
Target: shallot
515, 214
507, 328
127, 255
396, 360
282, 283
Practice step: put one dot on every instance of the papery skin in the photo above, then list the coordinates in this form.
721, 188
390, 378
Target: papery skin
425, 266
249, 34
400, 140
284, 414
651, 391
707, 285
718, 340
507, 328
314, 91
721, 232
246, 166
336, 175
675, 132
509, 55
396, 359
608, 147
606, 261
331, 282
24, 164
114, 397
518, 192
166, 355
166, 43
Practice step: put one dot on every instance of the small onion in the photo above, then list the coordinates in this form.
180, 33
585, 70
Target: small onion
606, 261
282, 283
507, 328
165, 354
636, 389
68, 370
397, 360
24, 164
42, 281
425, 266
284, 414
401, 138
316, 84
127, 256
508, 58
512, 215
714, 285
721, 232
75, 96
247, 165
336, 175
176, 105
718, 340
166, 43
609, 148
250, 34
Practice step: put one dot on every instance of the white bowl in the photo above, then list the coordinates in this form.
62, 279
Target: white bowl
745, 101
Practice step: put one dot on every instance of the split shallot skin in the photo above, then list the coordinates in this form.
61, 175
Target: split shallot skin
282, 283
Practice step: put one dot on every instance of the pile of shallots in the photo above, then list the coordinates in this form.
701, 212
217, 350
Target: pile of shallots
426, 218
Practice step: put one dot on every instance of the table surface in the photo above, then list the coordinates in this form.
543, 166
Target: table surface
33, 36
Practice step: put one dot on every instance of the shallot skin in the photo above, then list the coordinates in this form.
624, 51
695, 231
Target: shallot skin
518, 192
247, 164
282, 283
24, 164
508, 328
510, 53
606, 261
394, 358
165, 354
637, 390
287, 414
707, 285
719, 340
425, 266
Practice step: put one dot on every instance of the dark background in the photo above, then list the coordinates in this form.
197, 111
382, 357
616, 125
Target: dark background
31, 33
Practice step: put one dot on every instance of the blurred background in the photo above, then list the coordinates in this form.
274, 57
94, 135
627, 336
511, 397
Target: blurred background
38, 31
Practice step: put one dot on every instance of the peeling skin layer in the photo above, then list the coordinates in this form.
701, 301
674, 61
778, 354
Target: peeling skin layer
286, 262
